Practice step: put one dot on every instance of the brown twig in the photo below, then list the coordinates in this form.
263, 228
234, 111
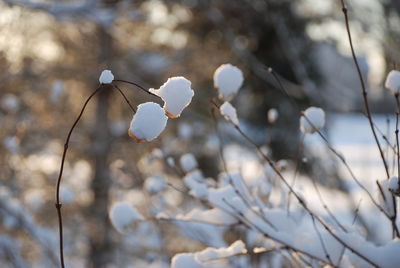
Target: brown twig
58, 203
136, 85
125, 98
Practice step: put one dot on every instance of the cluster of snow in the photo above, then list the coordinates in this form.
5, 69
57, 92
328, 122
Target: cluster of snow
228, 79
393, 81
106, 77
123, 215
272, 115
229, 112
148, 122
200, 259
312, 120
176, 94
188, 162
155, 184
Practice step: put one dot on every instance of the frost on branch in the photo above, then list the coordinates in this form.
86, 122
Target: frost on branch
393, 81
122, 215
229, 112
106, 77
312, 120
228, 79
176, 94
148, 122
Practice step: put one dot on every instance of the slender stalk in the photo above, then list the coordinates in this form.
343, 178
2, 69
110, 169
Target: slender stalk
136, 85
58, 203
363, 88
125, 98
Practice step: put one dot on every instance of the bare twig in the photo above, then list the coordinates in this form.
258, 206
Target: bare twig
363, 88
125, 98
58, 203
136, 85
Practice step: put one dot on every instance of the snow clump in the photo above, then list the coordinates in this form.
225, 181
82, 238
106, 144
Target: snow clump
123, 214
106, 77
148, 122
229, 112
188, 162
312, 120
176, 94
393, 81
228, 79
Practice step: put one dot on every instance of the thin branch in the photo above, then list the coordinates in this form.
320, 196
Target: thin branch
363, 88
125, 98
58, 204
136, 85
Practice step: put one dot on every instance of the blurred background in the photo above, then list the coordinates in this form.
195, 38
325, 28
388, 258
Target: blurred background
51, 55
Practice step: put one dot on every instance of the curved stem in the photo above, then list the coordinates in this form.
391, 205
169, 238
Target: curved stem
125, 98
58, 204
136, 85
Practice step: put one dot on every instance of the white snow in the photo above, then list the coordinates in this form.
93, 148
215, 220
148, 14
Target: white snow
176, 94
272, 115
228, 79
229, 112
201, 259
106, 77
148, 122
194, 180
122, 215
188, 162
394, 185
207, 254
214, 215
393, 81
185, 260
155, 184
312, 120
